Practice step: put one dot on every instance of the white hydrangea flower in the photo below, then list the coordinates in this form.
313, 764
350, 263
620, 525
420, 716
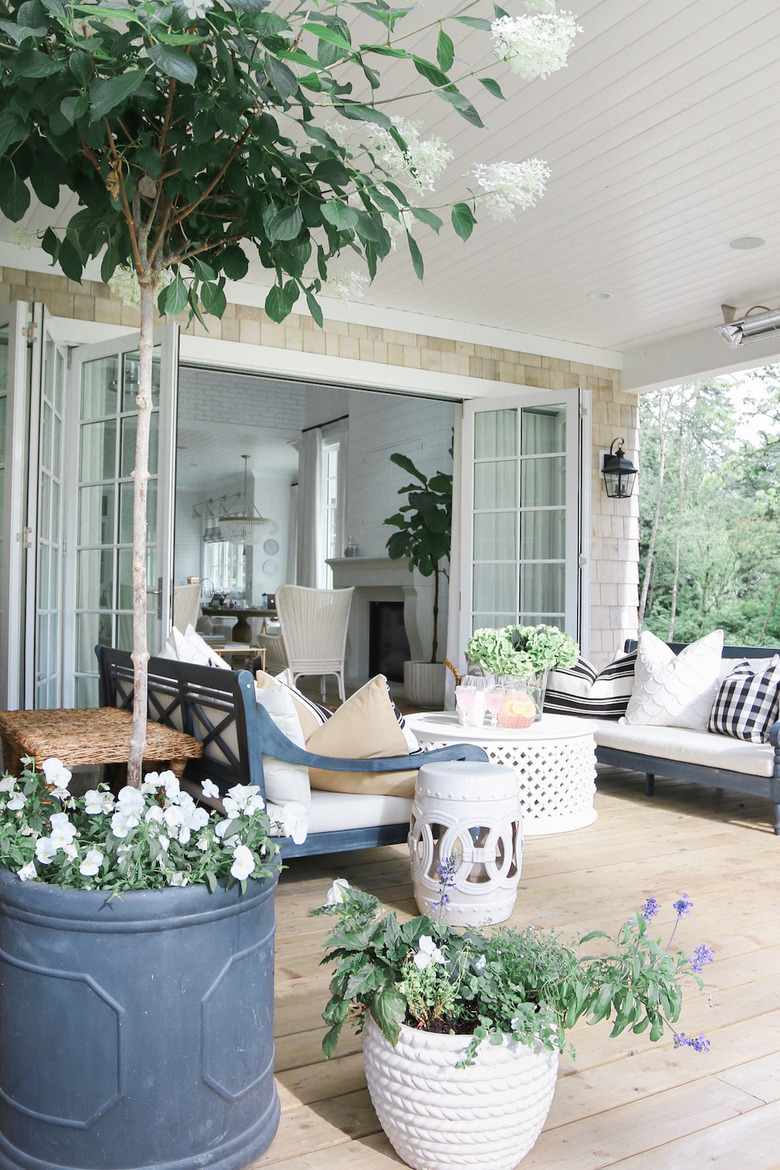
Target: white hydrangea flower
339, 131
508, 185
337, 892
23, 239
28, 872
423, 161
536, 43
243, 863
346, 283
428, 953
91, 863
124, 284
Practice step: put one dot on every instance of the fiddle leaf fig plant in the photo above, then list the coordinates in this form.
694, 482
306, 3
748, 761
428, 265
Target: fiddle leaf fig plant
424, 526
195, 136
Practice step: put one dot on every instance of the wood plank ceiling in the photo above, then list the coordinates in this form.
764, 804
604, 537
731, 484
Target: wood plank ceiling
663, 141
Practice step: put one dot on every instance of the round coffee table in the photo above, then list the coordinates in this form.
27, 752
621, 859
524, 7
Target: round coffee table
554, 759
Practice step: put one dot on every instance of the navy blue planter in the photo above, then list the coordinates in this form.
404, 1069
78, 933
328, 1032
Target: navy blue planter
136, 1032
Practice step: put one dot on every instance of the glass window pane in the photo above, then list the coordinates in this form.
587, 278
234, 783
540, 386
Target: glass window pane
130, 384
492, 621
56, 452
124, 632
495, 588
43, 577
126, 512
542, 535
96, 515
2, 418
127, 460
495, 484
542, 429
99, 380
95, 579
44, 508
86, 693
98, 451
543, 481
542, 589
91, 629
495, 433
495, 536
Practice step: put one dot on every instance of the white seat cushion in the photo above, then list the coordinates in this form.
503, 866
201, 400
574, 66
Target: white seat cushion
688, 746
330, 811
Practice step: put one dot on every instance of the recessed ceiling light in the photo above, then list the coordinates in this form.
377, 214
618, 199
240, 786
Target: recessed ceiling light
599, 296
745, 243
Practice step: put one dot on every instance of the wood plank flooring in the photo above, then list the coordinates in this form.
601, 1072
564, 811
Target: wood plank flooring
624, 1102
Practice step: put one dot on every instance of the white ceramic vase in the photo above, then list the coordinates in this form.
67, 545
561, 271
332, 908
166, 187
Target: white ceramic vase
486, 1116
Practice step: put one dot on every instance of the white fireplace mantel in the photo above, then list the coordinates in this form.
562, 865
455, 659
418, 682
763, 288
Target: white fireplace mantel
382, 579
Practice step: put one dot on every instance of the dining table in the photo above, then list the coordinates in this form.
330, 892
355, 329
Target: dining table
242, 630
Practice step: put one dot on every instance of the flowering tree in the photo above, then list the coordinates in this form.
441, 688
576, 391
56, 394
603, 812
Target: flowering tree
198, 133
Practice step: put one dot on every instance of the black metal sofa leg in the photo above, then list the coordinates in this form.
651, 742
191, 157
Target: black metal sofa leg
650, 784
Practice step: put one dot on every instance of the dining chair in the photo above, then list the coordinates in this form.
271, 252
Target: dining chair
313, 624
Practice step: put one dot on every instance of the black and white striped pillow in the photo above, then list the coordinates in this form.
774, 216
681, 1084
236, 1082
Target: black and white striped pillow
583, 690
748, 702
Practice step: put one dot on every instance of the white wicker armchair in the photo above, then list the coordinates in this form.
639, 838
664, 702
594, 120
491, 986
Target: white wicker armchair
313, 634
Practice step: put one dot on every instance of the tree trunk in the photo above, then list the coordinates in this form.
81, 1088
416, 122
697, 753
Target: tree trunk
678, 537
435, 642
140, 481
662, 403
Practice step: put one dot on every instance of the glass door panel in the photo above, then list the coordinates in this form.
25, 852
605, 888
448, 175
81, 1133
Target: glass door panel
520, 506
15, 368
101, 589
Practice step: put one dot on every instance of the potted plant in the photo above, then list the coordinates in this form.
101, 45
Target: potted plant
424, 538
462, 1028
136, 936
518, 658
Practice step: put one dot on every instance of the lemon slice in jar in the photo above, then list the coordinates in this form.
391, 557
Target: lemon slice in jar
517, 711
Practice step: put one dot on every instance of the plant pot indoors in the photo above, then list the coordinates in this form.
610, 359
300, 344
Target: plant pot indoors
462, 1027
425, 684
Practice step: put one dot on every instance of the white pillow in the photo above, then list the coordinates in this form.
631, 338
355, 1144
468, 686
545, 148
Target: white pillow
675, 690
190, 647
284, 781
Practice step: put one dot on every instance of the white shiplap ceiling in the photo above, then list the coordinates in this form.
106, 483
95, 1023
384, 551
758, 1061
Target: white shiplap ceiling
663, 139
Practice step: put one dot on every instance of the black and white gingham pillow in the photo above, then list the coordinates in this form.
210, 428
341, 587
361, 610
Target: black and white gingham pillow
747, 702
583, 690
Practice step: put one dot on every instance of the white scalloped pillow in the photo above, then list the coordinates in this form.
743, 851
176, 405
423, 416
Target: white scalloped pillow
675, 690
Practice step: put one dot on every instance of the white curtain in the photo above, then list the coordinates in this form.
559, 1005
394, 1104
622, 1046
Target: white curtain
292, 537
310, 554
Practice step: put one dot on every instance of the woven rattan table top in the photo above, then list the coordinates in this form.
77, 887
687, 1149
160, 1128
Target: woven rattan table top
97, 735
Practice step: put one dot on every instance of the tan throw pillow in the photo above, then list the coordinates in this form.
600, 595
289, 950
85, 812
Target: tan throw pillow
363, 728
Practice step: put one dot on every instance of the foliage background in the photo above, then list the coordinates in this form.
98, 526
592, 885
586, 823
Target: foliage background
710, 462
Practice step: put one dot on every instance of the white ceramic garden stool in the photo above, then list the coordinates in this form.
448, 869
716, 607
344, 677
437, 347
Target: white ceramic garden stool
469, 811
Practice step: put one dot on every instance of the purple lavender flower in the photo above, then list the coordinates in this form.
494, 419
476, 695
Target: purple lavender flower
698, 1043
683, 906
650, 909
446, 874
700, 956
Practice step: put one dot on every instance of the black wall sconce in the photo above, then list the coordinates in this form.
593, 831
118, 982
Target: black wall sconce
619, 473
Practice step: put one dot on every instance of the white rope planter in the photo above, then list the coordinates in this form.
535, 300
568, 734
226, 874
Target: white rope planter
439, 1117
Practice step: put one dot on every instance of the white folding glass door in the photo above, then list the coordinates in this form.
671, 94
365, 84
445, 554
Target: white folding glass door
14, 399
521, 512
99, 578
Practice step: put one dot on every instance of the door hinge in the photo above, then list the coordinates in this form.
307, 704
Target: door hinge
583, 412
582, 561
25, 537
29, 331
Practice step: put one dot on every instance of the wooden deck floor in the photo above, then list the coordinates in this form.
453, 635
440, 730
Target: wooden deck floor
625, 1102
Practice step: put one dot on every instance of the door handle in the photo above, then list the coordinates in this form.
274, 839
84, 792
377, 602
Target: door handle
158, 593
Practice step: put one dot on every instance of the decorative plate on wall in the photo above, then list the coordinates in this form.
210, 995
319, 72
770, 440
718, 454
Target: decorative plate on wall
271, 547
270, 568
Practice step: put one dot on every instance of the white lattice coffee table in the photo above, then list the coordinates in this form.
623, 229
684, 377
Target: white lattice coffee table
555, 762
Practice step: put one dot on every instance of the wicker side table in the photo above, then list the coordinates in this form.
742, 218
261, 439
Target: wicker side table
554, 759
97, 735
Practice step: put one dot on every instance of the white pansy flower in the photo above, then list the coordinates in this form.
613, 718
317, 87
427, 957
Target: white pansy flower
57, 777
508, 185
91, 863
197, 9
243, 863
337, 892
202, 843
294, 821
481, 963
154, 814
428, 953
420, 164
62, 831
345, 283
536, 43
121, 824
18, 800
179, 879
28, 872
170, 782
243, 799
210, 789
45, 850
131, 802
7, 784
93, 802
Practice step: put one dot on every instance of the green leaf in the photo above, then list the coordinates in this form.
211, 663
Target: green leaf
46, 186
445, 51
213, 299
339, 214
280, 300
29, 63
475, 22
370, 227
69, 260
107, 94
417, 260
389, 1009
430, 72
235, 265
314, 308
328, 34
428, 217
148, 158
12, 129
14, 195
462, 104
173, 299
173, 63
492, 86
462, 220
282, 223
361, 113
281, 77
72, 108
19, 33
332, 172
